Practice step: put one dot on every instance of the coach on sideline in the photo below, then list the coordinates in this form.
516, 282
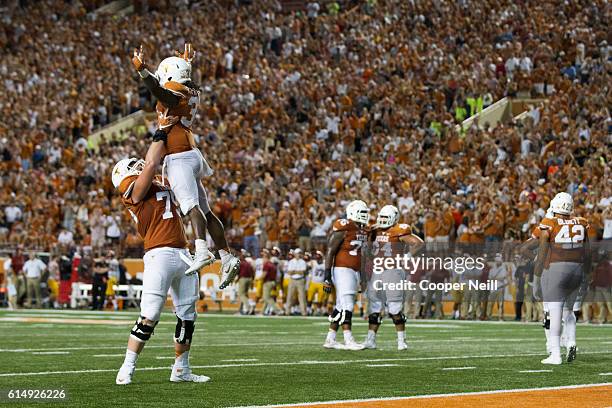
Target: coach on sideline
296, 269
33, 269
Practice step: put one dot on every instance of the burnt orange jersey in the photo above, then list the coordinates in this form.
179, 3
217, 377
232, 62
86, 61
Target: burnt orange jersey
349, 254
157, 218
179, 118
567, 237
386, 240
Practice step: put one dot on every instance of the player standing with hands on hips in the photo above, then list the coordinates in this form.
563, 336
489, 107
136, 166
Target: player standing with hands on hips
178, 98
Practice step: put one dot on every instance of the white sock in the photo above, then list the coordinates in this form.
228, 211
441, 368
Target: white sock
348, 335
182, 360
200, 246
401, 336
555, 347
331, 335
569, 329
371, 335
223, 253
130, 358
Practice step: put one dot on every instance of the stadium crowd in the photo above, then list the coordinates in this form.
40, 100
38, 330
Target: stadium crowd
304, 111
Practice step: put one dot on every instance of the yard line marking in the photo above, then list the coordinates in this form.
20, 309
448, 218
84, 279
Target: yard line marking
109, 355
458, 368
165, 357
294, 363
50, 352
536, 371
605, 373
382, 365
428, 396
240, 360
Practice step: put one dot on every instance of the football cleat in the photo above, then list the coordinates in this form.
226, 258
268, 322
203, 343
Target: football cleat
124, 376
230, 267
571, 353
401, 345
353, 345
552, 359
200, 260
331, 344
370, 343
185, 375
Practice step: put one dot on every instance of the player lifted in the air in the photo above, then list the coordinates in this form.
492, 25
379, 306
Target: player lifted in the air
178, 100
342, 268
563, 260
389, 239
159, 224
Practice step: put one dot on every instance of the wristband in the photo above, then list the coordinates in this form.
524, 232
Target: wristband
144, 73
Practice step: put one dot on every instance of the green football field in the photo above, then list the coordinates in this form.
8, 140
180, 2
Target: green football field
260, 361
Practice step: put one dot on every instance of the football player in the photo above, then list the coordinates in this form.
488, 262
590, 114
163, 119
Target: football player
315, 286
389, 238
342, 269
178, 98
159, 224
563, 260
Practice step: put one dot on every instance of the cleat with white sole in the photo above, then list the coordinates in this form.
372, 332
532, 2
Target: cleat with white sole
370, 343
571, 353
185, 375
200, 260
552, 359
230, 267
124, 376
353, 345
401, 345
330, 344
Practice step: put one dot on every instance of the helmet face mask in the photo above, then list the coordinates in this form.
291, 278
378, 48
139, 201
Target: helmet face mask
358, 212
387, 217
126, 168
173, 69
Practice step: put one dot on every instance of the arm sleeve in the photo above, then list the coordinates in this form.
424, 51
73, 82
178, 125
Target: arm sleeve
167, 97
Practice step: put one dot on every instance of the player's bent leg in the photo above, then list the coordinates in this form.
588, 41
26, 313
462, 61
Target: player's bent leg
183, 336
348, 304
399, 320
203, 256
141, 333
334, 319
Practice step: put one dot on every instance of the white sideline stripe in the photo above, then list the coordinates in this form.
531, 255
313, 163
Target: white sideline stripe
165, 358
240, 360
605, 373
50, 352
458, 368
421, 396
382, 365
295, 363
108, 355
536, 371
150, 346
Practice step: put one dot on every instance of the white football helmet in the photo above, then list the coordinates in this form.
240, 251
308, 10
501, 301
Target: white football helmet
387, 217
563, 203
358, 211
173, 69
125, 168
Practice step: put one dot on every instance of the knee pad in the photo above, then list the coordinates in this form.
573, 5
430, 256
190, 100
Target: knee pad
335, 316
399, 318
184, 331
546, 323
142, 332
375, 318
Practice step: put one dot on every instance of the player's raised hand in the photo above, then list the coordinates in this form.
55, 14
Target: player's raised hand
189, 53
139, 59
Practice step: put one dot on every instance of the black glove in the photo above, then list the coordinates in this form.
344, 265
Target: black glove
327, 281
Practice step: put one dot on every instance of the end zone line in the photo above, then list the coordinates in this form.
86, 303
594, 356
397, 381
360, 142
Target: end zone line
423, 396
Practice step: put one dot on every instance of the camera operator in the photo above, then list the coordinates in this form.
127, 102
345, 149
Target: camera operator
100, 279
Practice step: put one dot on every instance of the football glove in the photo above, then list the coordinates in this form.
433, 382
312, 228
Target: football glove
139, 60
327, 281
